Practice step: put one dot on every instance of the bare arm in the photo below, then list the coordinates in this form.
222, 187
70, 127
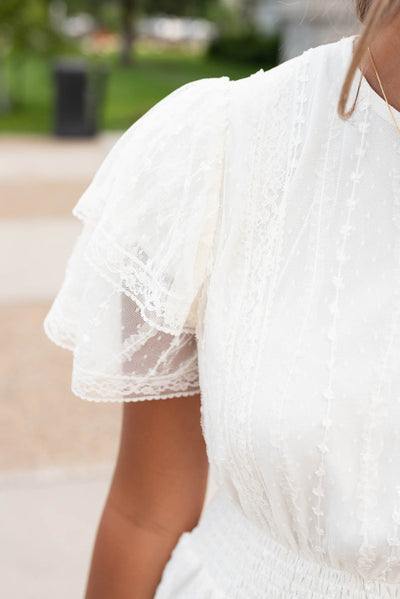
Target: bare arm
157, 492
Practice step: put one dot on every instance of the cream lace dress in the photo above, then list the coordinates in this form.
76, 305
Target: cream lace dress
241, 240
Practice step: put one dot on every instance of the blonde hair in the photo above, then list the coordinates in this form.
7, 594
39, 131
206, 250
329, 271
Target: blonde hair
373, 14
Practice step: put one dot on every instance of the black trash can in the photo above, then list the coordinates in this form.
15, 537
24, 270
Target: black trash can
79, 94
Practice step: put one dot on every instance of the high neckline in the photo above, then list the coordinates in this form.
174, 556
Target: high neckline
377, 103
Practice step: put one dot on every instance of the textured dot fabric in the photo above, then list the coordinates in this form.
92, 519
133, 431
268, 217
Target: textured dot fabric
242, 241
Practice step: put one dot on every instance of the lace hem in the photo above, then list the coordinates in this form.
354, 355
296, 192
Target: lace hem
97, 387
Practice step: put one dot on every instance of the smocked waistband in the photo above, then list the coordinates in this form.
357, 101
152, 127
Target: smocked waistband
246, 563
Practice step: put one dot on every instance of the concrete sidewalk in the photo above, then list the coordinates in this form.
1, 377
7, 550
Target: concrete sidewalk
44, 176
47, 529
33, 256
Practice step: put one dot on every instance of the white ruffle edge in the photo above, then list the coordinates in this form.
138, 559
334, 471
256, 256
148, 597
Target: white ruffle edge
127, 307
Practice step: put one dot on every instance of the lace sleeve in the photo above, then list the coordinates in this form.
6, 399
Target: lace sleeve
128, 304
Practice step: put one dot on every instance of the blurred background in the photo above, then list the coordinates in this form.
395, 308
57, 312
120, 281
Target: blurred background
74, 74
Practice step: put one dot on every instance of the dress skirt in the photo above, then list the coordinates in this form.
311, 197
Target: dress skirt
228, 557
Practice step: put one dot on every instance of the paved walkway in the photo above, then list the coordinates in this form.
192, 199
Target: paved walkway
56, 450
47, 536
33, 255
44, 176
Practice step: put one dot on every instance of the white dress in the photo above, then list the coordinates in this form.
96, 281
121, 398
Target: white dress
244, 241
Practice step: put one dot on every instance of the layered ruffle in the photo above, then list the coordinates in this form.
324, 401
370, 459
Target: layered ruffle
128, 304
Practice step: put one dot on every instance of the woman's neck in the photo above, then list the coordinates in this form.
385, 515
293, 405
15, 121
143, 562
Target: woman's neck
385, 50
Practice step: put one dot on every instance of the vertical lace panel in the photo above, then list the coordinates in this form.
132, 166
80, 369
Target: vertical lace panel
274, 156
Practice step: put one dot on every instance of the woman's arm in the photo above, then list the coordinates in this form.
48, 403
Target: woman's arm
157, 492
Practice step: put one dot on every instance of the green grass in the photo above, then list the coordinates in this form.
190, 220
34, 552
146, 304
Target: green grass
129, 92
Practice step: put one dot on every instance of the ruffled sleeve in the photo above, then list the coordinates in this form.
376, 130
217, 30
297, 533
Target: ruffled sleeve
128, 304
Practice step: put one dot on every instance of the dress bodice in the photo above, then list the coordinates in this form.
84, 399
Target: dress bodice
300, 349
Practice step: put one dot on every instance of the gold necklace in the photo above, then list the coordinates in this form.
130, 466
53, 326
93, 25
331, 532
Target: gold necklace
383, 91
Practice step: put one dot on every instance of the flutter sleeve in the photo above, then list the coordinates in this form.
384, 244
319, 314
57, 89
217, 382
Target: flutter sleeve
127, 307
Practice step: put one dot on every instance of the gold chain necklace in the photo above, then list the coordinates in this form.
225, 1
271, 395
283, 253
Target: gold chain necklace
383, 91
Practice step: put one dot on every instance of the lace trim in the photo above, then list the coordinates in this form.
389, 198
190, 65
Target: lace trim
284, 463
328, 393
241, 466
372, 446
265, 218
275, 192
97, 387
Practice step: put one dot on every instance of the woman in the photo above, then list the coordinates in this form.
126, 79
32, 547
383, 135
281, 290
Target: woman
242, 240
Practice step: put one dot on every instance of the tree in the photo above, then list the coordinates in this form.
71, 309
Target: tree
176, 7
128, 14
24, 28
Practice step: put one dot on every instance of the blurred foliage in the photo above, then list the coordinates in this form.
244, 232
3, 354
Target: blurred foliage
249, 47
228, 18
110, 15
130, 92
99, 8
184, 8
29, 38
25, 27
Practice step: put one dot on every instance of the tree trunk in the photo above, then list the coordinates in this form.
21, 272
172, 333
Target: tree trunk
127, 34
6, 105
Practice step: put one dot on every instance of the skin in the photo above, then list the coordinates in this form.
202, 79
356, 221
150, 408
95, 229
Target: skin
385, 49
157, 492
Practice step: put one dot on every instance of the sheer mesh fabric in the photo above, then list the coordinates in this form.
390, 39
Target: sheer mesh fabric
128, 306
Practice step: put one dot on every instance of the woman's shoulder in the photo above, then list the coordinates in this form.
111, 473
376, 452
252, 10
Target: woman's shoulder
308, 69
331, 57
